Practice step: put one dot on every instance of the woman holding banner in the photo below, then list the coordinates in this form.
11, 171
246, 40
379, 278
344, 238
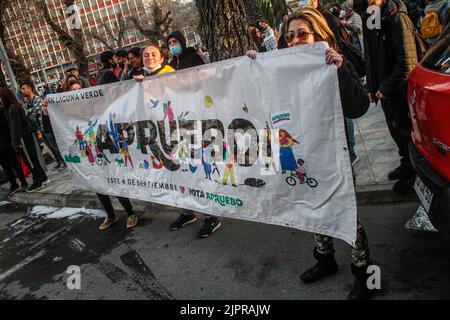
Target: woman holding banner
153, 61
304, 27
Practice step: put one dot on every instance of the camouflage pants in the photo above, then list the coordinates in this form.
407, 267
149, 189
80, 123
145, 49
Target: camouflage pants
360, 253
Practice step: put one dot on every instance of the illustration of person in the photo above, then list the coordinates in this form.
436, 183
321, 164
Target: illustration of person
206, 158
182, 152
215, 168
90, 132
266, 141
301, 171
287, 159
90, 155
80, 139
168, 112
230, 160
113, 132
126, 153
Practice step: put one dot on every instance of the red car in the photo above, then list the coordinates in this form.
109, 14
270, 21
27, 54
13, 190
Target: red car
429, 106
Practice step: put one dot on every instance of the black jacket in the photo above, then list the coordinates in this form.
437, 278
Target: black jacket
188, 58
105, 76
354, 99
17, 124
5, 138
391, 51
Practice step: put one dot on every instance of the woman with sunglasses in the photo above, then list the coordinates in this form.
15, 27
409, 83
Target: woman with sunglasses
307, 26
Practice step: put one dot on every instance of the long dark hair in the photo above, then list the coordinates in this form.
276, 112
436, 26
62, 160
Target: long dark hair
9, 99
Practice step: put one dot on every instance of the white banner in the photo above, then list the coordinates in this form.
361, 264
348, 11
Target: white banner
260, 140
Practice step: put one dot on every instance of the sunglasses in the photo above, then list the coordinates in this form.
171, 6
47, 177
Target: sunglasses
301, 34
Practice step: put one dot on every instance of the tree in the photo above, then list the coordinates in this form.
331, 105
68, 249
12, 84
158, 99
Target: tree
253, 10
74, 42
21, 72
224, 24
111, 37
161, 15
2, 77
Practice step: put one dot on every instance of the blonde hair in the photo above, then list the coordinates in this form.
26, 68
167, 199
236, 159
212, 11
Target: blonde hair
318, 24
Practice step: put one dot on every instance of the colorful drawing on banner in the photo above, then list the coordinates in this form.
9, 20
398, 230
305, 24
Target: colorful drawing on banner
279, 118
90, 132
100, 157
182, 116
125, 151
72, 159
153, 103
206, 160
168, 112
266, 146
182, 153
301, 175
119, 162
192, 168
144, 165
230, 160
287, 158
208, 102
112, 131
156, 164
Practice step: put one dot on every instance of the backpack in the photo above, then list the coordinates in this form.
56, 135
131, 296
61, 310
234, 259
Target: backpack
431, 27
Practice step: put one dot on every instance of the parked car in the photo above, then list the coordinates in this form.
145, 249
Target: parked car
429, 106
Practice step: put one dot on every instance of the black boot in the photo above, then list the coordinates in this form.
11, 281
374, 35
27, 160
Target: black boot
360, 291
326, 265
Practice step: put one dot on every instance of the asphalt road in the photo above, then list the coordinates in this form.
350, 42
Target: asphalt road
242, 260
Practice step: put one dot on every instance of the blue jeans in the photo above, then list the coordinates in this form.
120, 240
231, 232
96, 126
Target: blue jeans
50, 141
351, 133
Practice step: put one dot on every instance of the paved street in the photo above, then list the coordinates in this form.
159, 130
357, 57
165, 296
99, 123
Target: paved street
242, 260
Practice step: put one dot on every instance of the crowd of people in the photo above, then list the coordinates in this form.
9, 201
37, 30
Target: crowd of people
390, 54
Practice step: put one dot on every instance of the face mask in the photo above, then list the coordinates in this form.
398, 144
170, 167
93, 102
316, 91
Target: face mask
342, 14
176, 50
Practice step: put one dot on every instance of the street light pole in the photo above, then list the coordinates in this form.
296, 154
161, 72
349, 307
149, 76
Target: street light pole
4, 57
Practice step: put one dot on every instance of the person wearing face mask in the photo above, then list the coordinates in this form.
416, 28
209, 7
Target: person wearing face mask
186, 58
183, 57
307, 26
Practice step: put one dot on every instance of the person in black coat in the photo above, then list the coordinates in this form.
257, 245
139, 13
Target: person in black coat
391, 55
8, 159
106, 76
23, 139
183, 57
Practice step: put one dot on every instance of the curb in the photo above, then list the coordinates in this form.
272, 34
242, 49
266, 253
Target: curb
365, 195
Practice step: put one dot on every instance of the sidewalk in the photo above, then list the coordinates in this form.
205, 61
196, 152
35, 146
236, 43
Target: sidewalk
374, 146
